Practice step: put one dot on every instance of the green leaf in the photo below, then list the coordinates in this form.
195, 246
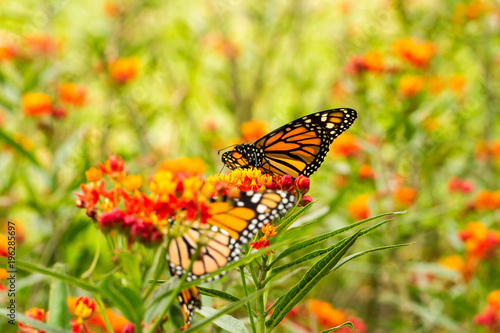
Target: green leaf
292, 218
130, 265
218, 294
71, 280
318, 253
311, 278
326, 236
359, 254
346, 324
58, 302
231, 307
33, 323
125, 298
226, 322
160, 298
11, 142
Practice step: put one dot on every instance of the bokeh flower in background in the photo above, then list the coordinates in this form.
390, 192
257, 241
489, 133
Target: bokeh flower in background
414, 51
72, 94
36, 104
410, 85
490, 317
36, 314
124, 69
253, 130
358, 207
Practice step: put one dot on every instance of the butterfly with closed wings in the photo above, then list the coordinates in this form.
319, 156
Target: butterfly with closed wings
297, 148
230, 224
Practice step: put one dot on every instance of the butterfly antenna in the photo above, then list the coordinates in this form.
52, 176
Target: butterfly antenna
222, 169
218, 153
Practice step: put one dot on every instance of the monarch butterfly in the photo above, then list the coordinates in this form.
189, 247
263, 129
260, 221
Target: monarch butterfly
297, 148
230, 224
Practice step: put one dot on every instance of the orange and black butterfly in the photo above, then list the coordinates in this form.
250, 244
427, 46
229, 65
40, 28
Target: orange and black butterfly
297, 148
231, 224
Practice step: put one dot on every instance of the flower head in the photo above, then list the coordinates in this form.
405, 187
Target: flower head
124, 69
405, 196
414, 51
113, 167
185, 166
72, 94
359, 207
302, 184
36, 104
346, 145
366, 172
253, 130
85, 308
269, 231
36, 314
410, 85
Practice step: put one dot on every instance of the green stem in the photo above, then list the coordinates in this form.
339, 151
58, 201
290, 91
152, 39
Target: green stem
261, 311
103, 312
249, 309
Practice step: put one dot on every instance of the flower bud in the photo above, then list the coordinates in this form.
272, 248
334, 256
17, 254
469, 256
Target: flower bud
286, 182
128, 328
302, 184
306, 199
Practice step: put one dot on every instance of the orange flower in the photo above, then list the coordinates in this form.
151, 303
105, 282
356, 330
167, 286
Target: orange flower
40, 43
244, 180
479, 241
414, 51
4, 248
494, 299
457, 83
487, 200
84, 308
454, 262
269, 231
124, 69
359, 207
72, 94
97, 321
410, 85
374, 61
132, 182
112, 8
366, 172
471, 11
36, 104
222, 45
253, 130
326, 314
185, 166
405, 196
113, 167
36, 314
346, 145
93, 174
8, 51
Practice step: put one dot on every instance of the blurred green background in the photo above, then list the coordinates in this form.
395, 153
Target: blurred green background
153, 81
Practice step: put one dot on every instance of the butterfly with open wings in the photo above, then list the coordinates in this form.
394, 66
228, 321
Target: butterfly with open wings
297, 148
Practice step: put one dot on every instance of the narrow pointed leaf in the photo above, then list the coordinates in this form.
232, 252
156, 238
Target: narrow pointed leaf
218, 294
127, 299
20, 317
311, 278
292, 218
326, 236
58, 302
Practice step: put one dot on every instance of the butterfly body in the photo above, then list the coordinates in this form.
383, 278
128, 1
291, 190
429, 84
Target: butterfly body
297, 148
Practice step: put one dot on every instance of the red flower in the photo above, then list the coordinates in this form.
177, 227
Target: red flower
286, 182
302, 184
113, 166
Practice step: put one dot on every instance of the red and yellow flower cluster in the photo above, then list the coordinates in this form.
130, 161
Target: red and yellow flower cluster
125, 69
414, 51
487, 200
176, 190
87, 316
490, 317
370, 62
488, 149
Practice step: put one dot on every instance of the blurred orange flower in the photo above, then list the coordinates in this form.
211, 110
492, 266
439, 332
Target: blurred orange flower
487, 149
36, 104
453, 262
8, 51
405, 196
366, 172
132, 182
41, 43
36, 314
487, 200
490, 317
72, 94
112, 8
4, 246
185, 165
372, 61
97, 320
3, 276
124, 69
269, 231
253, 130
93, 174
479, 242
410, 85
24, 142
325, 313
469, 11
431, 124
222, 45
414, 51
345, 145
494, 299
359, 207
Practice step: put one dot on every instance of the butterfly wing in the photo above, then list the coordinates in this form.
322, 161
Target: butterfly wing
189, 300
300, 147
234, 159
231, 223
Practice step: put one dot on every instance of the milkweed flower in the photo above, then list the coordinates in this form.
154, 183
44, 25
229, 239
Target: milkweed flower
410, 85
370, 62
302, 184
41, 44
269, 231
490, 317
113, 167
414, 51
487, 200
36, 104
253, 130
359, 207
72, 94
85, 308
8, 51
457, 83
479, 241
328, 316
36, 314
4, 249
405, 196
366, 172
124, 69
185, 166
3, 276
346, 145
469, 11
